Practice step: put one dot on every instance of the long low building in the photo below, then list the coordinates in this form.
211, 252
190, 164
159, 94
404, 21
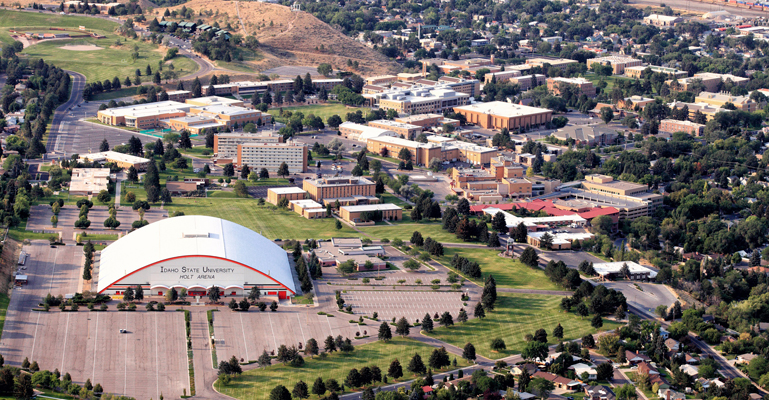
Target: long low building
357, 215
559, 241
673, 125
536, 223
423, 153
123, 161
612, 270
499, 114
199, 254
89, 181
272, 155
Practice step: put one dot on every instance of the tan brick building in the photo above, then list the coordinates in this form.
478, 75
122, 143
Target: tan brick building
607, 184
527, 82
561, 63
226, 143
381, 80
498, 115
673, 125
618, 63
585, 86
326, 188
743, 103
179, 95
404, 130
636, 72
353, 214
272, 155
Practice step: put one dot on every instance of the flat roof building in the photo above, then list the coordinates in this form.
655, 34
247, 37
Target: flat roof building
427, 120
272, 155
142, 116
89, 181
214, 101
362, 133
367, 214
561, 63
673, 125
418, 100
226, 143
274, 195
612, 270
712, 82
123, 161
607, 184
584, 86
404, 130
498, 115
662, 21
559, 241
743, 103
501, 76
381, 80
324, 188
591, 135
636, 72
618, 63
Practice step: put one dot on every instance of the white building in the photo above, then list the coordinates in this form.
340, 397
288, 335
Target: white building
635, 271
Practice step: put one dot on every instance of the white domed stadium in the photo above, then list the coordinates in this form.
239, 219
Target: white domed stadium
196, 253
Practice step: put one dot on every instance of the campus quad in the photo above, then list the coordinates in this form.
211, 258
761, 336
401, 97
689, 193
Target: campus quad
196, 253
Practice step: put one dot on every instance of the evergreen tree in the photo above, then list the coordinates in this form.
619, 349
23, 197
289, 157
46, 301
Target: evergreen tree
427, 323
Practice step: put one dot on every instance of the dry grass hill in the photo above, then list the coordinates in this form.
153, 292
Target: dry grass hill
289, 38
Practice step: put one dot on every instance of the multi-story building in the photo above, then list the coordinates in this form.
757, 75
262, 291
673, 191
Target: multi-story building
636, 72
373, 89
231, 116
517, 187
427, 120
274, 195
527, 82
327, 84
381, 80
408, 77
673, 125
355, 214
501, 76
607, 184
471, 87
591, 135
631, 103
743, 103
498, 115
272, 155
404, 130
711, 82
179, 95
618, 63
561, 63
422, 153
708, 110
226, 143
419, 100
213, 101
333, 188
503, 167
585, 86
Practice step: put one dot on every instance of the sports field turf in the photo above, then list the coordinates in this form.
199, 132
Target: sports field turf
256, 384
273, 224
319, 110
507, 272
102, 64
516, 315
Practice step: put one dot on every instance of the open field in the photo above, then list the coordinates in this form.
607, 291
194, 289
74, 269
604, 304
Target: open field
319, 110
272, 224
116, 94
404, 231
507, 272
106, 63
257, 383
609, 79
4, 301
516, 315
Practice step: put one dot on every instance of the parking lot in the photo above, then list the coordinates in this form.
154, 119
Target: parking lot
413, 304
151, 358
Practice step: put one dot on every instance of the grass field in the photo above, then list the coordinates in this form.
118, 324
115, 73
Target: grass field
116, 94
516, 315
102, 64
404, 231
507, 272
256, 384
609, 79
319, 110
4, 301
272, 224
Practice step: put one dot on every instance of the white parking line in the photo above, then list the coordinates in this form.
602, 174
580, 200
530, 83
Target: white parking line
300, 329
245, 342
125, 360
96, 342
64, 347
271, 330
157, 365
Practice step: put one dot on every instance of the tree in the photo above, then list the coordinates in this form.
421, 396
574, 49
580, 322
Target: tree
542, 386
606, 114
300, 391
535, 349
417, 239
283, 170
427, 323
280, 393
416, 365
104, 146
213, 294
402, 327
446, 319
546, 241
404, 154
329, 344
596, 321
439, 358
464, 206
462, 316
319, 388
497, 344
324, 69
499, 224
385, 333
541, 335
558, 332
394, 370
469, 352
604, 371
478, 311
529, 257
582, 310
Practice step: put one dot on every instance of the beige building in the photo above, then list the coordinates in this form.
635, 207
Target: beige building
404, 130
272, 155
226, 143
561, 63
308, 208
89, 181
333, 188
274, 195
631, 103
356, 214
179, 95
362, 133
711, 82
471, 87
618, 63
607, 184
142, 116
499, 114
693, 109
501, 76
381, 80
743, 103
585, 86
527, 82
427, 120
673, 125
662, 21
636, 72
123, 161
418, 100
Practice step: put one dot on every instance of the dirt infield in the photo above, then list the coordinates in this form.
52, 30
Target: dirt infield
81, 47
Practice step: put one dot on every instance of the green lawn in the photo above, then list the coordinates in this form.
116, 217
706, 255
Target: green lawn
319, 110
221, 194
100, 237
256, 384
268, 182
197, 151
4, 301
102, 64
609, 79
116, 94
272, 224
404, 231
64, 195
516, 315
507, 272
20, 232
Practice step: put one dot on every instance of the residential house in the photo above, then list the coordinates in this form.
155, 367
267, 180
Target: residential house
599, 392
582, 368
636, 358
672, 344
745, 358
691, 370
559, 382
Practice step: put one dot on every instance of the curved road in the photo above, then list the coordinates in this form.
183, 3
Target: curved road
76, 97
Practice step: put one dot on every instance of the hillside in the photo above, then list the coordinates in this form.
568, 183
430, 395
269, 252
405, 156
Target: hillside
294, 38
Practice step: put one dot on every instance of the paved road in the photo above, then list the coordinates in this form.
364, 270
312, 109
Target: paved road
76, 97
205, 374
